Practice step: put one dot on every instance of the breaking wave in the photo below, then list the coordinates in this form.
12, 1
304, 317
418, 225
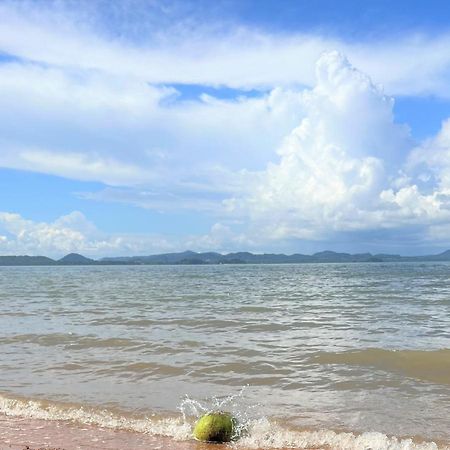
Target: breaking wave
256, 433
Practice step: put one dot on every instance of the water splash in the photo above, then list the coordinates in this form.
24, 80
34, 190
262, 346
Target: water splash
192, 409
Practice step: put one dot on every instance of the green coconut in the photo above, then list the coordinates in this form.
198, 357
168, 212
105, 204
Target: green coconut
215, 427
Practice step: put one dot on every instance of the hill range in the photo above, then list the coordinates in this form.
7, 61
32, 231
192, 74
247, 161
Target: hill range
189, 257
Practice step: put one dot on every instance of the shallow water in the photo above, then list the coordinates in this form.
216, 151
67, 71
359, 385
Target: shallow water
347, 347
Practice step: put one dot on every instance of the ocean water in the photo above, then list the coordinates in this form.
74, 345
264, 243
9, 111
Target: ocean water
307, 356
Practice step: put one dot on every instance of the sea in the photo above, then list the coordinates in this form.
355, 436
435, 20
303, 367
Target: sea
305, 356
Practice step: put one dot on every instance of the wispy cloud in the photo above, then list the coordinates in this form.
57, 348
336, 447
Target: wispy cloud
238, 56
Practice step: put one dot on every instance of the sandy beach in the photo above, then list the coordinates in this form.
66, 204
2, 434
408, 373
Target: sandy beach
29, 434
17, 433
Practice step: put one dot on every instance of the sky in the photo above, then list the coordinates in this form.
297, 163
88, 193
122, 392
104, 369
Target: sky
136, 127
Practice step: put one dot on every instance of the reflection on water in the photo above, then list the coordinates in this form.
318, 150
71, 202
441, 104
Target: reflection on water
341, 346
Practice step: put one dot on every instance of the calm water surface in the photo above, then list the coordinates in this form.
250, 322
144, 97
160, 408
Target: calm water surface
358, 347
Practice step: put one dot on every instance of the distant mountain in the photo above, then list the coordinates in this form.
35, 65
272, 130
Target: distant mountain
191, 258
445, 256
168, 258
26, 261
75, 259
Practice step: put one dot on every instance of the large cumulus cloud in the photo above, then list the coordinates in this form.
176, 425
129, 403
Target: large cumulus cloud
348, 166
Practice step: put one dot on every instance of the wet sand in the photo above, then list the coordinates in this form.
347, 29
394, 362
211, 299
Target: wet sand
19, 434
31, 434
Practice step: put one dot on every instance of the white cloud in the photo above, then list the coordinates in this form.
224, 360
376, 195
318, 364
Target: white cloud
206, 54
347, 167
334, 163
80, 104
79, 166
159, 201
71, 233
36, 237
222, 238
431, 160
75, 233
123, 132
343, 168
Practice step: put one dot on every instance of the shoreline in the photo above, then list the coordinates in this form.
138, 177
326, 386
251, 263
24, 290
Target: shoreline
24, 433
17, 433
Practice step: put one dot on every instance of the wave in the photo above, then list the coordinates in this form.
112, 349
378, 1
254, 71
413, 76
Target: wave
269, 435
260, 433
43, 410
426, 365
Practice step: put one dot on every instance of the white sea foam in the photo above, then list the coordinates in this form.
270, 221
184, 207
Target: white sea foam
269, 435
33, 409
257, 434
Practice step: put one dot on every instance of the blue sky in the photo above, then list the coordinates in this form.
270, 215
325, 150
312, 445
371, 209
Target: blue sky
139, 127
